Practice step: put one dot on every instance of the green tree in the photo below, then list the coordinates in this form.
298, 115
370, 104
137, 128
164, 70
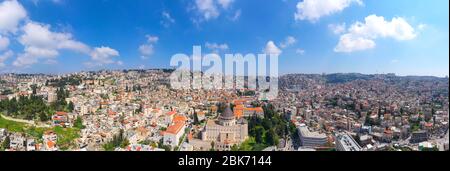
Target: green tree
27, 108
235, 147
196, 121
259, 133
161, 145
5, 144
70, 106
34, 88
43, 117
125, 143
271, 138
79, 123
118, 140
213, 145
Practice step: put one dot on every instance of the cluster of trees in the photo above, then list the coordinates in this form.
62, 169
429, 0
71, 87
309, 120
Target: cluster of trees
371, 122
34, 107
118, 140
246, 93
7, 92
5, 144
344, 78
134, 88
196, 120
78, 123
27, 108
271, 128
162, 146
60, 104
72, 80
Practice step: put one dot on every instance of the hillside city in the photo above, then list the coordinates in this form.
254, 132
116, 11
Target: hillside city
137, 110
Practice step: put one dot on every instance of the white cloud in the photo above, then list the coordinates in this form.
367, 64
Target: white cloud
337, 28
41, 52
4, 43
377, 26
41, 43
167, 19
422, 26
207, 8
288, 42
50, 62
146, 50
25, 60
11, 13
211, 9
119, 63
215, 47
142, 66
74, 45
54, 1
37, 39
271, 48
236, 15
313, 10
349, 43
362, 36
32, 55
225, 3
300, 51
103, 55
152, 39
394, 61
39, 35
4, 57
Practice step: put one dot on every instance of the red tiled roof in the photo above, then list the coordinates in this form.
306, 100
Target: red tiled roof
171, 113
174, 129
50, 144
190, 136
238, 113
60, 113
256, 109
110, 112
179, 118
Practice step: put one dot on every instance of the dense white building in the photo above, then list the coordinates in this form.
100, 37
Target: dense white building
309, 138
345, 142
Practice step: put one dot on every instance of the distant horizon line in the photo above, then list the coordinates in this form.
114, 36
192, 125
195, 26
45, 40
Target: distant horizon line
305, 73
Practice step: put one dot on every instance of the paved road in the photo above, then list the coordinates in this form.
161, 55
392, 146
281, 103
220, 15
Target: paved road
185, 136
290, 145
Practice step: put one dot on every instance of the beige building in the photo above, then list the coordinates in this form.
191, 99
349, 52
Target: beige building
226, 131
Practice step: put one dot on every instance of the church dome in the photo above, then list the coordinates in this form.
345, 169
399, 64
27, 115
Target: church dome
227, 117
227, 113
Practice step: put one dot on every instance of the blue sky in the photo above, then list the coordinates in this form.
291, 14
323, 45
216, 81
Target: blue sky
402, 36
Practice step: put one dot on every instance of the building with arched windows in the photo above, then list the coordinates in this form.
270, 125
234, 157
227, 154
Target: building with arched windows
226, 131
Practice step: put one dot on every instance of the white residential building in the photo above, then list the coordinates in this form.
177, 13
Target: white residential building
345, 142
311, 139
